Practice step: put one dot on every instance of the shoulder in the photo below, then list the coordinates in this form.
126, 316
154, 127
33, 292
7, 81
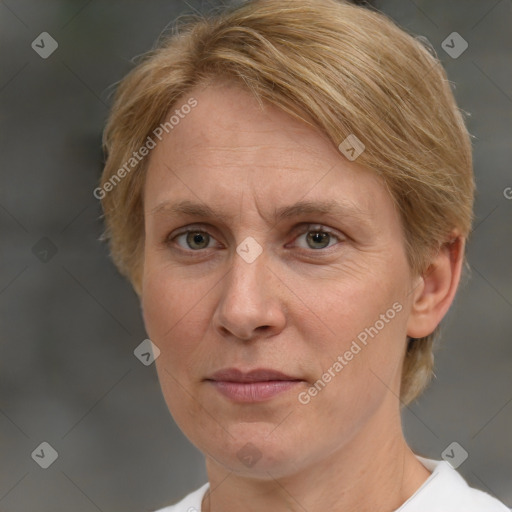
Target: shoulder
190, 503
447, 491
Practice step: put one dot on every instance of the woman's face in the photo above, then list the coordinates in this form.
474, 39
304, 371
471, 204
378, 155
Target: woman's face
319, 296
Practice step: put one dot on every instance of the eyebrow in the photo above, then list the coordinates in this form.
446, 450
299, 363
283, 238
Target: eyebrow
333, 208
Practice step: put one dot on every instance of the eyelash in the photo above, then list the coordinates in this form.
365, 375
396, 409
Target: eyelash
311, 228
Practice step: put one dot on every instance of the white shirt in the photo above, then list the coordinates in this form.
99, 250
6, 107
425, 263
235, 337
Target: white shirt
444, 491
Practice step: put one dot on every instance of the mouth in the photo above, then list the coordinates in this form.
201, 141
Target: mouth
253, 386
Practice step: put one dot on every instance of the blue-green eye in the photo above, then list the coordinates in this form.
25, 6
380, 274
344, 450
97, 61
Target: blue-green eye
316, 238
319, 238
196, 239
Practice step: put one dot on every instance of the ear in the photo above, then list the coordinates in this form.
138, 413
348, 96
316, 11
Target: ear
436, 289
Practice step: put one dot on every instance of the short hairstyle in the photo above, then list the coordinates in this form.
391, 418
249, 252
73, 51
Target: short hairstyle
344, 70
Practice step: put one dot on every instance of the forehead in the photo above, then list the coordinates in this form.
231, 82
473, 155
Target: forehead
228, 146
228, 118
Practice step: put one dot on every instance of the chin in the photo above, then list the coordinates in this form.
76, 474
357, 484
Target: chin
254, 450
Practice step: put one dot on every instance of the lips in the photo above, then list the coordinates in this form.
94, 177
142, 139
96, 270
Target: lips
258, 375
253, 386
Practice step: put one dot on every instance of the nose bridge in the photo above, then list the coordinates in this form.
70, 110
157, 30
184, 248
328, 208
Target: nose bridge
248, 299
247, 282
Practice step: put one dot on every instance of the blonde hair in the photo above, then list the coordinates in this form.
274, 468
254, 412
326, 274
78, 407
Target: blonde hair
343, 69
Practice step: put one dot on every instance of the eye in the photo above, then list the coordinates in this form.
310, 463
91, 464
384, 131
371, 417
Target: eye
194, 239
317, 237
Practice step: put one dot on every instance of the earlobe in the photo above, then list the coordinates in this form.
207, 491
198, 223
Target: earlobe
437, 288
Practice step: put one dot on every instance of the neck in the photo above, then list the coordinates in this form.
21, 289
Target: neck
375, 472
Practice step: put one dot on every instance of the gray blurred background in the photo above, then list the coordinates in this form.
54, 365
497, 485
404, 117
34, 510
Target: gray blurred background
70, 323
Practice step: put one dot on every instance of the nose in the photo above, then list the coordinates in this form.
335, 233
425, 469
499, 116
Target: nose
251, 303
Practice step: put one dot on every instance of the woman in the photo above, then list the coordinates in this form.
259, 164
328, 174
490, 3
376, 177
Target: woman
289, 189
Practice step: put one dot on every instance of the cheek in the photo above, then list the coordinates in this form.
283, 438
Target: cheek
164, 312
177, 315
168, 299
362, 320
159, 306
341, 308
171, 319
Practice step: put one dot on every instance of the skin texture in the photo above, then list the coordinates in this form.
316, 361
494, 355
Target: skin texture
295, 308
